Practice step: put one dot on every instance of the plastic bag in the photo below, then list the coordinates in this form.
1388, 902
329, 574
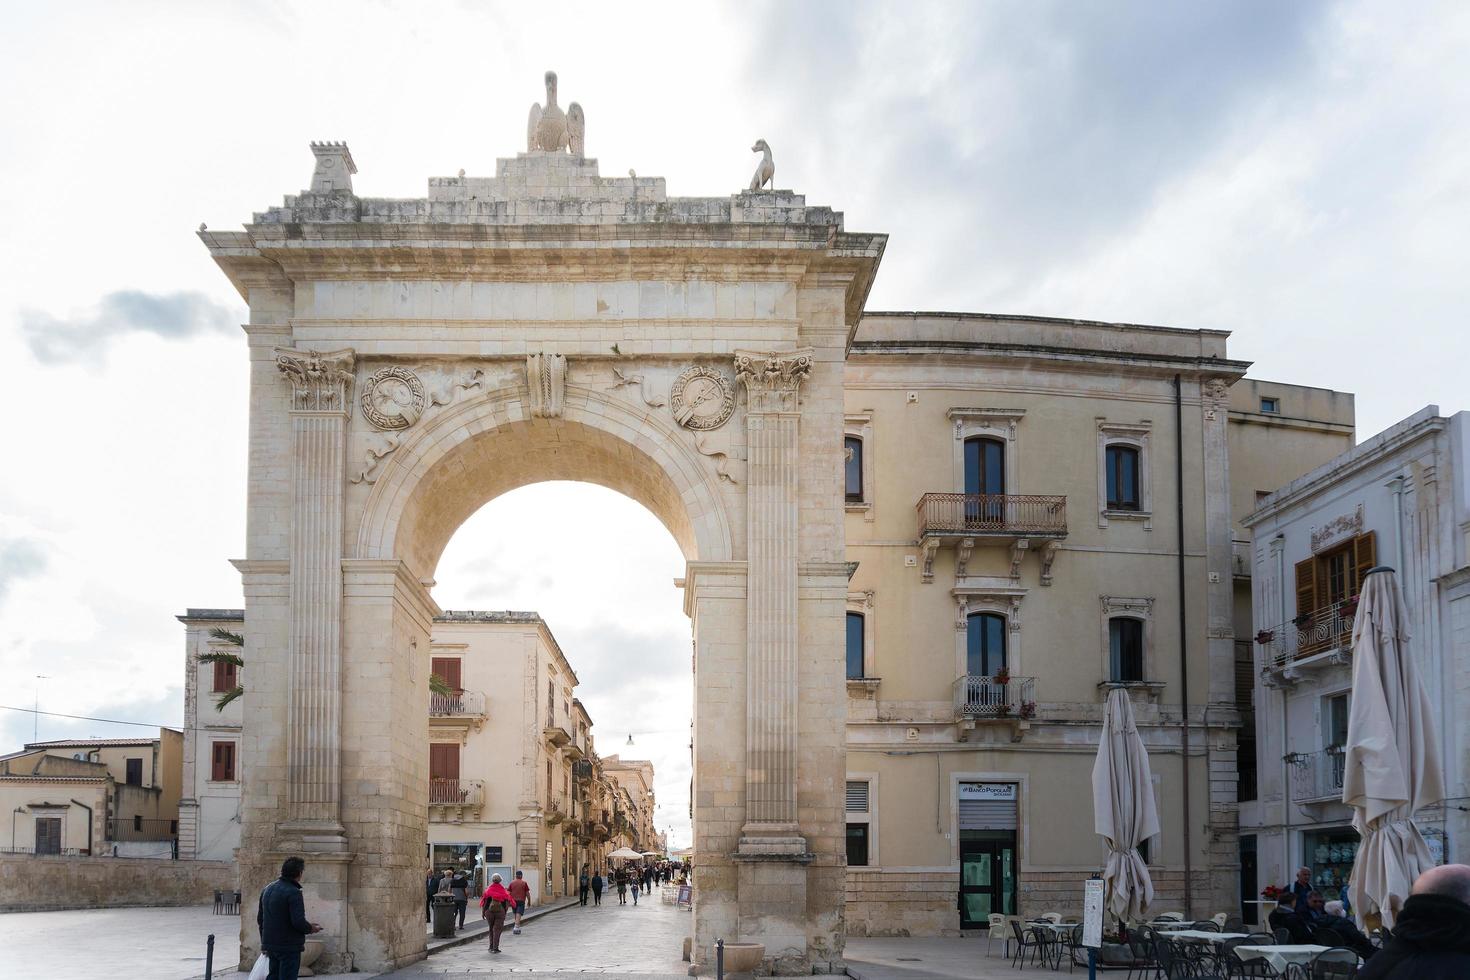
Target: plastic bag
261, 969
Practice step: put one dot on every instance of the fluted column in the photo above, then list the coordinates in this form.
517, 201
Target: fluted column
320, 408
772, 381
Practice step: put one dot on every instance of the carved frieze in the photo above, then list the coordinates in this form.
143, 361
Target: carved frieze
772, 379
546, 380
320, 382
393, 398
641, 381
701, 398
1338, 529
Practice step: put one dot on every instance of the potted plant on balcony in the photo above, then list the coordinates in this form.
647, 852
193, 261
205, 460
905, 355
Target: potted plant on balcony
1028, 710
1264, 637
1002, 677
1002, 709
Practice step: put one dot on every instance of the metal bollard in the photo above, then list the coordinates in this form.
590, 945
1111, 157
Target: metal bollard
209, 959
719, 959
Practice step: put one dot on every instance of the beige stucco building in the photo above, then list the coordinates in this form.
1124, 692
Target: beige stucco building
116, 796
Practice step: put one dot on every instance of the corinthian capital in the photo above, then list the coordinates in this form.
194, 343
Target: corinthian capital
772, 379
320, 382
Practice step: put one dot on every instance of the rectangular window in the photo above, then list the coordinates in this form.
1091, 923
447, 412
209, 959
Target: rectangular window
852, 469
856, 640
1122, 477
1335, 720
551, 704
857, 796
449, 670
443, 760
1125, 641
137, 822
135, 772
222, 762
857, 845
48, 835
1271, 406
226, 677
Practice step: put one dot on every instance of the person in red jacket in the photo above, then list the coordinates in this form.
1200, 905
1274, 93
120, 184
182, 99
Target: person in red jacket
494, 904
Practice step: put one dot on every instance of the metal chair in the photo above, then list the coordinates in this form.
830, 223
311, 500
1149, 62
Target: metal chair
1207, 925
1052, 917
1233, 923
1219, 919
1173, 960
1023, 943
1338, 963
1141, 944
997, 931
1283, 936
1170, 916
1233, 966
1071, 943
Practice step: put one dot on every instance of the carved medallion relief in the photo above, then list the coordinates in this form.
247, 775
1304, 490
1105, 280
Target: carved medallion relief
702, 398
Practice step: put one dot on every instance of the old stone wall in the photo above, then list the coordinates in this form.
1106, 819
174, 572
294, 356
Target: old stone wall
29, 883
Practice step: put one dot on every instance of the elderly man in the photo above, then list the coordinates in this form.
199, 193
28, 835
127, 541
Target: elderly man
1431, 936
1301, 891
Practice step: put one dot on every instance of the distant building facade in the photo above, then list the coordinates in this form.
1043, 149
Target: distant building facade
1397, 499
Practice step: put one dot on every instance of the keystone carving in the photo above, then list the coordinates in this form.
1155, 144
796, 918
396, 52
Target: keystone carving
320, 382
546, 379
772, 379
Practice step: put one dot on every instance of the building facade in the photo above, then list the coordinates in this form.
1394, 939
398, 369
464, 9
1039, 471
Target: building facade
115, 796
1397, 499
209, 812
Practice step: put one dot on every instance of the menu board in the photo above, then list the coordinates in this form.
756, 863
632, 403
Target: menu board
1092, 912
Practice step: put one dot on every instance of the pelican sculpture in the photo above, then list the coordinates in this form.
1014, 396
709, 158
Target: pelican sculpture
552, 130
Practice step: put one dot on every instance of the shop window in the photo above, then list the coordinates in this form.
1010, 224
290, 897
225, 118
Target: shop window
852, 469
1125, 649
1122, 477
985, 644
856, 644
857, 845
1330, 854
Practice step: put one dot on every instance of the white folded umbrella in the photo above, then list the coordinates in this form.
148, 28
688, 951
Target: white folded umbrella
1391, 766
1124, 811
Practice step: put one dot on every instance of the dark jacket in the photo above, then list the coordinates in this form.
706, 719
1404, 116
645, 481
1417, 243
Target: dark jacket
281, 916
1301, 933
1431, 941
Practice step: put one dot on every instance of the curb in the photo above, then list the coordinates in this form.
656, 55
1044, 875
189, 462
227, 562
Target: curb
478, 932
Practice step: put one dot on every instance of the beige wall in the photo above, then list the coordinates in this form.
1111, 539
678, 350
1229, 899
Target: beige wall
31, 884
209, 810
64, 797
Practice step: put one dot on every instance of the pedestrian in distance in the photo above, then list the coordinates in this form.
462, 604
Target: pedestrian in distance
520, 892
1431, 936
459, 887
620, 878
431, 885
281, 919
648, 881
494, 905
584, 884
597, 884
637, 887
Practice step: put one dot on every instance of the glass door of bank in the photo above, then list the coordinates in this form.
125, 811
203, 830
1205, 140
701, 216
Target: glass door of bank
987, 881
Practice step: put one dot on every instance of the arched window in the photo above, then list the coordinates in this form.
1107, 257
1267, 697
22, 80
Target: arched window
985, 644
852, 469
1125, 649
856, 641
1122, 475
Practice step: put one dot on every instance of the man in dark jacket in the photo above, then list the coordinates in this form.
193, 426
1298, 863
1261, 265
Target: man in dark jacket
1285, 917
1431, 936
281, 917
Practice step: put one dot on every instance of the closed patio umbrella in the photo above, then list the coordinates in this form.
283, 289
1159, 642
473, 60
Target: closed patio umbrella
1391, 763
1124, 811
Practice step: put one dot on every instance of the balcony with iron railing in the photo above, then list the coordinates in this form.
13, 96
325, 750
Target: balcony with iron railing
1316, 777
461, 709
555, 735
142, 829
456, 793
965, 520
1322, 636
981, 699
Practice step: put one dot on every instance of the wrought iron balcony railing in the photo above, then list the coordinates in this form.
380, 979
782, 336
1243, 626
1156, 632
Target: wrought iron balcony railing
1316, 776
1002, 697
1007, 514
1320, 631
456, 792
465, 704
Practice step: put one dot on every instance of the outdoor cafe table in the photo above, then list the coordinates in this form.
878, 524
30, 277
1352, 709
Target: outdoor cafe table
1280, 957
1204, 936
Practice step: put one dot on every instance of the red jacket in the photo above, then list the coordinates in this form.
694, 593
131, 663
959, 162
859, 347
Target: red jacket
496, 893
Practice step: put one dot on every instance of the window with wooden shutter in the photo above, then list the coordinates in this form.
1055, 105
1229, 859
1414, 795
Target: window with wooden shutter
443, 760
222, 762
448, 670
1364, 558
1306, 587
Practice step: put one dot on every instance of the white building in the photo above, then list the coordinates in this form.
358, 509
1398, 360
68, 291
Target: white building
1397, 499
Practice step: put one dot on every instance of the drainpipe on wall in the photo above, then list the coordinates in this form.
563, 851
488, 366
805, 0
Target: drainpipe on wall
1285, 766
1183, 636
89, 824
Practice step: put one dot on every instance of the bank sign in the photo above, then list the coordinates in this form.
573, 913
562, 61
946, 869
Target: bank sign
987, 791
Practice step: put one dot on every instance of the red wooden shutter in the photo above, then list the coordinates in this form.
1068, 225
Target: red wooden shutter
1306, 586
443, 760
1364, 558
225, 677
448, 670
222, 762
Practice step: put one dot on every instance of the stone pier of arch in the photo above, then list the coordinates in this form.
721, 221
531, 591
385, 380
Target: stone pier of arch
413, 359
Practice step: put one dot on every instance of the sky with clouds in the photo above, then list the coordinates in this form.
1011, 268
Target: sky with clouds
1297, 173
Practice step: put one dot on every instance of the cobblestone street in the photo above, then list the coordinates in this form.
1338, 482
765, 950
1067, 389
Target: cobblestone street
644, 939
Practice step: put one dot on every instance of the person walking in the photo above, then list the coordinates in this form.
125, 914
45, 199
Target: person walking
281, 918
620, 878
520, 893
1431, 936
493, 906
648, 881
584, 884
431, 885
459, 887
597, 884
637, 886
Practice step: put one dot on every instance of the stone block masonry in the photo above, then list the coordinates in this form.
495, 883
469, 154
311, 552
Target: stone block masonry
31, 883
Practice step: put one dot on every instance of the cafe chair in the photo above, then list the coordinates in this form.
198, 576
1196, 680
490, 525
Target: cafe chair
1338, 963
1025, 939
1233, 966
1052, 917
1175, 964
997, 931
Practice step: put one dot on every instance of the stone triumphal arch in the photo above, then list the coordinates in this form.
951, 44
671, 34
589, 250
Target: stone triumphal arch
412, 359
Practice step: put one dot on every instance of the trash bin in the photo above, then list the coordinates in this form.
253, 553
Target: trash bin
443, 916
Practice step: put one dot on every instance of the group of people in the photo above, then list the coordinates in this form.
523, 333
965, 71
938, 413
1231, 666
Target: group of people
1430, 939
498, 903
591, 883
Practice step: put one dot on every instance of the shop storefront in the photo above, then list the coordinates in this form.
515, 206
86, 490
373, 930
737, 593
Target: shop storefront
1329, 852
987, 829
477, 860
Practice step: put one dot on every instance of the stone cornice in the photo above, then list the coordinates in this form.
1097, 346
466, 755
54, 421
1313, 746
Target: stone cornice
1089, 359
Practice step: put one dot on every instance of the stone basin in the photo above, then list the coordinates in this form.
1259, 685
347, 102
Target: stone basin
314, 948
743, 958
